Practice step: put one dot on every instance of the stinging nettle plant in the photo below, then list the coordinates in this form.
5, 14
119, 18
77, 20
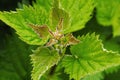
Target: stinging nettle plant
49, 24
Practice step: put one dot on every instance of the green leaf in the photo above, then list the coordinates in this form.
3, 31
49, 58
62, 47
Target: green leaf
115, 46
89, 57
97, 76
14, 58
79, 12
57, 15
45, 4
55, 73
20, 19
106, 10
42, 60
112, 70
42, 31
108, 14
116, 22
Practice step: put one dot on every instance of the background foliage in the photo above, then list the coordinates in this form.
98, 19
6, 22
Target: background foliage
14, 53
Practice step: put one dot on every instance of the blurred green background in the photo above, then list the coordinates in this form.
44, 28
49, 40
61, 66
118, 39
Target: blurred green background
14, 54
